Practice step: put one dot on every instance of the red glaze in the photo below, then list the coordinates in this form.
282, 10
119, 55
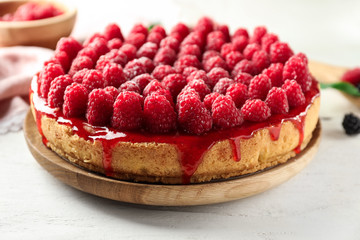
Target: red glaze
191, 148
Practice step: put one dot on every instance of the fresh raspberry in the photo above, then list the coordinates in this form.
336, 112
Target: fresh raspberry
222, 85
175, 83
161, 71
139, 28
75, 100
277, 101
129, 86
296, 69
193, 117
205, 25
170, 42
209, 99
113, 75
255, 110
225, 30
215, 40
186, 61
294, 93
240, 32
102, 62
250, 49
209, 54
216, 74
99, 45
81, 63
47, 75
240, 43
112, 31
226, 49
214, 62
259, 86
148, 63
79, 76
177, 36
99, 107
303, 57
63, 59
190, 50
69, 45
114, 43
225, 114
57, 89
88, 52
183, 95
238, 93
93, 79
200, 74
92, 38
267, 40
129, 50
181, 29
245, 66
128, 113
159, 114
274, 72
143, 80
200, 87
188, 70
134, 68
258, 34
165, 56
155, 38
136, 39
243, 78
166, 93
117, 56
193, 38
153, 86
280, 52
352, 76
114, 92
159, 30
149, 50
261, 60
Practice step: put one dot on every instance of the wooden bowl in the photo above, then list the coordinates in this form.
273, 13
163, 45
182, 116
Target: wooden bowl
44, 32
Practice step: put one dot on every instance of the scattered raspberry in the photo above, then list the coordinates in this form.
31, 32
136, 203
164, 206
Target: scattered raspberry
143, 80
209, 99
134, 68
47, 75
186, 61
139, 28
165, 56
159, 30
240, 32
258, 34
225, 30
170, 42
232, 58
200, 74
274, 72
129, 50
250, 49
161, 71
209, 54
261, 60
75, 100
99, 107
296, 69
114, 43
129, 86
193, 38
351, 124
175, 83
57, 89
69, 45
193, 117
205, 25
259, 87
267, 40
88, 52
226, 49
80, 63
293, 92
113, 75
159, 114
136, 39
238, 93
243, 78
190, 49
99, 45
148, 63
148, 50
216, 74
93, 79
240, 43
280, 52
200, 87
181, 29
352, 76
255, 110
222, 85
214, 62
128, 113
153, 86
277, 101
155, 38
225, 114
113, 31
114, 92
245, 66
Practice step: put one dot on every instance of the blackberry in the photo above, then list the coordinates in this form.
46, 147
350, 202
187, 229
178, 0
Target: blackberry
351, 124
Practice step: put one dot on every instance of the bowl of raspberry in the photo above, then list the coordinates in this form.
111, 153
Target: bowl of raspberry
35, 23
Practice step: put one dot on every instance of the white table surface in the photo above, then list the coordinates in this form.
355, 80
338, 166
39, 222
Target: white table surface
321, 202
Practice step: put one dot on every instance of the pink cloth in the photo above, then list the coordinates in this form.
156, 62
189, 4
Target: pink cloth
17, 66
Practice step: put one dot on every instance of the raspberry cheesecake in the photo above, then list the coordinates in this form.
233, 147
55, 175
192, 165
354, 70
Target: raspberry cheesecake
186, 106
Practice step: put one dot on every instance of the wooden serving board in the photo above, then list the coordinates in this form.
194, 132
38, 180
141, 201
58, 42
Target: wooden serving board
160, 194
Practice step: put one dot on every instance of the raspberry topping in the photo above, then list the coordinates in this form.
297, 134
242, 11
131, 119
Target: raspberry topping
243, 78
199, 86
295, 68
214, 62
114, 92
129, 50
238, 93
80, 63
277, 101
57, 89
134, 68
225, 114
113, 31
47, 75
210, 98
280, 52
170, 42
136, 39
245, 66
153, 86
267, 40
240, 43
162, 71
149, 50
294, 93
222, 85
165, 56
232, 58
258, 34
113, 75
130, 86
190, 49
259, 86
186, 61
274, 72
143, 80
255, 110
93, 79
175, 83
114, 43
99, 107
75, 100
216, 74
261, 60
68, 45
